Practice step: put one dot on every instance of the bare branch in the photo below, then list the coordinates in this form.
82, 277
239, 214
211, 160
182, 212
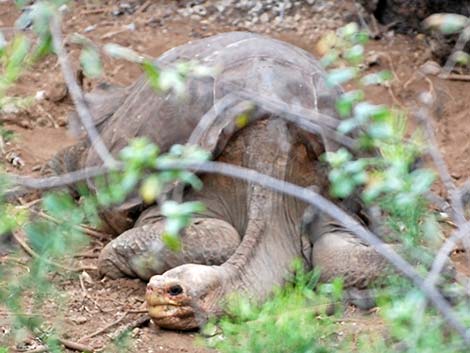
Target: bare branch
459, 46
442, 255
56, 181
326, 206
77, 95
456, 202
436, 155
309, 120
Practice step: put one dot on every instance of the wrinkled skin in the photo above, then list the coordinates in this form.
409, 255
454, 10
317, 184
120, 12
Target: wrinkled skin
248, 237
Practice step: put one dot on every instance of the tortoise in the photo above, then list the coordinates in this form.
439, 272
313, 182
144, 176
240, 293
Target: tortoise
248, 236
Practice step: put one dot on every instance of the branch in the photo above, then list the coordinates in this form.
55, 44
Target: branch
436, 155
77, 95
309, 120
456, 202
443, 254
328, 208
56, 181
459, 46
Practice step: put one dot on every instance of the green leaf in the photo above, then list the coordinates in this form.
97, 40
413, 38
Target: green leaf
337, 77
3, 43
129, 180
348, 31
446, 23
364, 111
422, 180
380, 131
338, 158
329, 58
346, 101
405, 199
377, 78
461, 58
120, 52
172, 242
150, 189
172, 79
355, 54
347, 126
360, 178
41, 15
360, 38
153, 75
342, 187
44, 48
191, 179
91, 62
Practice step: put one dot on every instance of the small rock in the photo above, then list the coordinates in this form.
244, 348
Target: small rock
10, 108
15, 160
372, 59
86, 277
264, 18
199, 10
89, 28
40, 95
79, 320
430, 68
130, 27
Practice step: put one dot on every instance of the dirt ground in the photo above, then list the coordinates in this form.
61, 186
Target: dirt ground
98, 308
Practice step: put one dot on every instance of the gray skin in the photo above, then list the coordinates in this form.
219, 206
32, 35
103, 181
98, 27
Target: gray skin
249, 236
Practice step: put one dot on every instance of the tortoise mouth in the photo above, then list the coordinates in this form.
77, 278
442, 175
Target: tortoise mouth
174, 317
162, 311
169, 313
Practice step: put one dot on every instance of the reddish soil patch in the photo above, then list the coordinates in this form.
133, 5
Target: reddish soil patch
40, 132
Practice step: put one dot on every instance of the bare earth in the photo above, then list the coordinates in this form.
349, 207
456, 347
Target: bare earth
94, 303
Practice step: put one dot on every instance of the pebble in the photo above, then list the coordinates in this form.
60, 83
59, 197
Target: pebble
430, 68
264, 18
264, 15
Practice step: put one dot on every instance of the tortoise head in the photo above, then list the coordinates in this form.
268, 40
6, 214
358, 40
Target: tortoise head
183, 298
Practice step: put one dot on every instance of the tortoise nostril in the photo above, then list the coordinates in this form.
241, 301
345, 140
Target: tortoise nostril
149, 290
175, 290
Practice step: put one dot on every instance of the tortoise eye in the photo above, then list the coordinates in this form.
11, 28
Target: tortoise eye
175, 290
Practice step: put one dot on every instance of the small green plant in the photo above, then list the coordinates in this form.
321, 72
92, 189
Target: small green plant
298, 318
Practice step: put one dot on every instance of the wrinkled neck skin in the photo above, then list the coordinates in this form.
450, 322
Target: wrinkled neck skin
272, 238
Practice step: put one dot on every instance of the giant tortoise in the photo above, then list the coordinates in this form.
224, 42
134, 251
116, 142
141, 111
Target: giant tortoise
248, 237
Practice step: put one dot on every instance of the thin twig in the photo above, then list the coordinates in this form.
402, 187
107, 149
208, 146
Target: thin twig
77, 95
67, 343
459, 46
82, 228
144, 7
444, 174
105, 328
35, 255
142, 320
455, 77
75, 346
453, 191
444, 252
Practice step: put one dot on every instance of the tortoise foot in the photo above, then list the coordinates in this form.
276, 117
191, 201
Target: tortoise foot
141, 252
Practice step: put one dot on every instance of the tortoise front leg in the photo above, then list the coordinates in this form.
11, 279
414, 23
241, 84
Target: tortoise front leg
340, 254
66, 160
140, 251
